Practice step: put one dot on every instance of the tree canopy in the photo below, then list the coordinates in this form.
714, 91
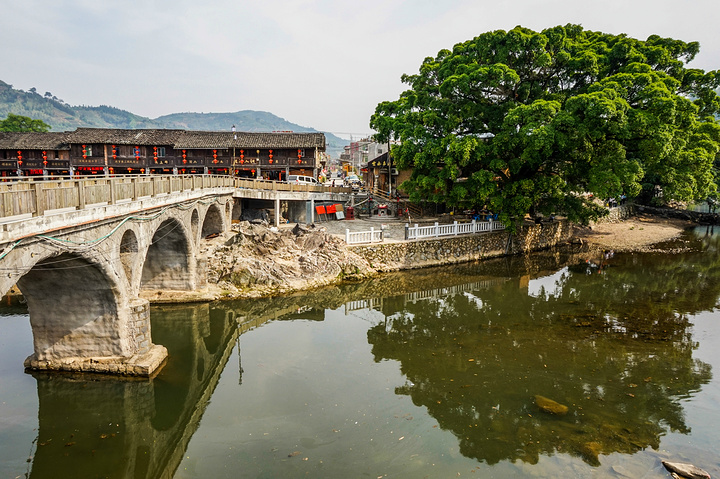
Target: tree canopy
22, 123
525, 122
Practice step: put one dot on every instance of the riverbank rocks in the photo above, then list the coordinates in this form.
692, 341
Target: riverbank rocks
256, 260
679, 469
549, 406
259, 261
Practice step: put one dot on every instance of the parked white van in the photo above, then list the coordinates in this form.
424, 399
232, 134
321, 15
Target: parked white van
302, 180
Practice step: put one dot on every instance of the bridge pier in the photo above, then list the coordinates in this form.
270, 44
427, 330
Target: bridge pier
126, 350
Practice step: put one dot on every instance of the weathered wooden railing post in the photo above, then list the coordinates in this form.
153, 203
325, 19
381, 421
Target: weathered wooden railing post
81, 193
111, 184
134, 188
39, 200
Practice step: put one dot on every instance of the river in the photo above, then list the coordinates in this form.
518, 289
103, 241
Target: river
432, 373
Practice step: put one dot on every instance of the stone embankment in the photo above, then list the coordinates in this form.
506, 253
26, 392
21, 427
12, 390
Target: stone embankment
459, 249
255, 260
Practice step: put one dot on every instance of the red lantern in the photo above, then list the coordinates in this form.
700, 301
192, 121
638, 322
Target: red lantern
45, 155
252, 171
271, 155
84, 151
137, 152
184, 157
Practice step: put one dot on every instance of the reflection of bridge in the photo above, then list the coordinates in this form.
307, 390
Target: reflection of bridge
90, 427
81, 251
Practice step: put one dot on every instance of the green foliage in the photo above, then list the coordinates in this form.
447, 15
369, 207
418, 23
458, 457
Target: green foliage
526, 122
22, 123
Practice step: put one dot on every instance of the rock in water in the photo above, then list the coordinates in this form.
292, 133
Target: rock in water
550, 406
686, 470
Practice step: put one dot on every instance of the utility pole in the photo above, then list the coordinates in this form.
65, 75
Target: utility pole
232, 171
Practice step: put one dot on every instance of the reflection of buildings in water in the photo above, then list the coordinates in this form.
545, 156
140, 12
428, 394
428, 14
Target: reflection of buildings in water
392, 305
95, 426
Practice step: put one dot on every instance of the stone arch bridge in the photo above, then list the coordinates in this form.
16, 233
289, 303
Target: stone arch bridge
82, 252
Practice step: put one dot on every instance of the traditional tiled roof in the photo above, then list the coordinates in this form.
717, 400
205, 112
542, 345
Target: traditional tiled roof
179, 139
31, 140
113, 136
228, 139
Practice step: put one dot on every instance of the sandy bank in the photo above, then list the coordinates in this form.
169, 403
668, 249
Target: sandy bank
638, 233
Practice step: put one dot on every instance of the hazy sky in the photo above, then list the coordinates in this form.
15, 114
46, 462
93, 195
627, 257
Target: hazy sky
323, 64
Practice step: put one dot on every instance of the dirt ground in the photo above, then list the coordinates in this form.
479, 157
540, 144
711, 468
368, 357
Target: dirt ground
634, 234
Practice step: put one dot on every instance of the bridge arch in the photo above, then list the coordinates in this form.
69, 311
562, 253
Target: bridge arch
167, 263
195, 224
129, 253
73, 308
214, 222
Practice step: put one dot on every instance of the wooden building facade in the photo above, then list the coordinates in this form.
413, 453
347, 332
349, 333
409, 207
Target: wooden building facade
103, 151
33, 154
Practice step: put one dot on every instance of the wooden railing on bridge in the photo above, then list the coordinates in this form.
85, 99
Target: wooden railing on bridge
36, 197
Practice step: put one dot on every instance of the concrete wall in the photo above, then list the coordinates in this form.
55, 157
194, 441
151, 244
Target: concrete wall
459, 249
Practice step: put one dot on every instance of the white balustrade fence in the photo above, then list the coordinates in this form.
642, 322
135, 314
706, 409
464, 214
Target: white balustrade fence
454, 229
419, 232
360, 237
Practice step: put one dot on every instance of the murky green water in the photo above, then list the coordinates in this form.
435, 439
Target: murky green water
433, 373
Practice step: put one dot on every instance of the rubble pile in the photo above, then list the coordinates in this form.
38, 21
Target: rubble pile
259, 261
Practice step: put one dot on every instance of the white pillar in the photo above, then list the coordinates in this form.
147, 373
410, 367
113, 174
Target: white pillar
277, 211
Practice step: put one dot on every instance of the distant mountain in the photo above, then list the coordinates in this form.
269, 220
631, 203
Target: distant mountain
63, 117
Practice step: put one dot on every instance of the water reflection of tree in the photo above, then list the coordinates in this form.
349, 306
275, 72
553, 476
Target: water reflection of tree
614, 348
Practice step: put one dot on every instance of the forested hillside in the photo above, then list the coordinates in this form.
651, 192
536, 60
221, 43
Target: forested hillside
63, 117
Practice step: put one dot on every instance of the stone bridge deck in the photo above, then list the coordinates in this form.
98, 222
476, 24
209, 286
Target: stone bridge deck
81, 251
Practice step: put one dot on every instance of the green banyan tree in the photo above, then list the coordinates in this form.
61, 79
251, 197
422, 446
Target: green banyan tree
526, 122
